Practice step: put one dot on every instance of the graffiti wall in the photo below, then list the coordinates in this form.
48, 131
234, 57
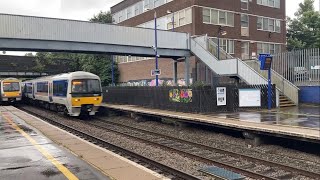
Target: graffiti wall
152, 82
180, 95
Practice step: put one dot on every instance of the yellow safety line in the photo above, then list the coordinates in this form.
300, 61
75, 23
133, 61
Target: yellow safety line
43, 151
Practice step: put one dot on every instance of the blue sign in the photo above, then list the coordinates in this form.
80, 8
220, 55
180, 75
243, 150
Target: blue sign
265, 61
265, 64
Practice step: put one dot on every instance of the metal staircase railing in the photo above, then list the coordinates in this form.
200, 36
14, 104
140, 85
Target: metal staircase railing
285, 86
226, 62
206, 50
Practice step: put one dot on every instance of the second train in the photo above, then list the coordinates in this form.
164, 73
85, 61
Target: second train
73, 93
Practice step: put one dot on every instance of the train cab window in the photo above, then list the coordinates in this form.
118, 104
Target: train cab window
11, 86
86, 86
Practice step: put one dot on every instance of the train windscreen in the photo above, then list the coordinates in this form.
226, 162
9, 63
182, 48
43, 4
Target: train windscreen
86, 86
11, 86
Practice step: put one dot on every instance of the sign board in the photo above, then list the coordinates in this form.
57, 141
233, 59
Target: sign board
221, 96
265, 61
249, 98
155, 72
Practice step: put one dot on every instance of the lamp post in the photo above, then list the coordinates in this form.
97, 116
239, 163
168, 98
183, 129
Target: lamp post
112, 69
156, 46
222, 33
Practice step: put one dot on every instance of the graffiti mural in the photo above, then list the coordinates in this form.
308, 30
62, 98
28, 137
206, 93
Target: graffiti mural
152, 82
182, 95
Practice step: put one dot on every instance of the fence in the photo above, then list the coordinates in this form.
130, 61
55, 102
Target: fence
300, 67
193, 100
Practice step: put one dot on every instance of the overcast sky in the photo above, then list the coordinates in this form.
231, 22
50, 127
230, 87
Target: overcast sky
81, 9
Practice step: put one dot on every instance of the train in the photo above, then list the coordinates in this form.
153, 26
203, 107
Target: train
10, 90
73, 94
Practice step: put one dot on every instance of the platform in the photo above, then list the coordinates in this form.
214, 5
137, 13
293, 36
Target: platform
30, 147
304, 127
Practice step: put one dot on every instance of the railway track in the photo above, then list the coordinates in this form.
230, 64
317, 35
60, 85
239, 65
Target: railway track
164, 169
217, 156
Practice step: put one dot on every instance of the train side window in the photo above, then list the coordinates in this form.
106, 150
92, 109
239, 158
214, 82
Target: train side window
60, 88
42, 87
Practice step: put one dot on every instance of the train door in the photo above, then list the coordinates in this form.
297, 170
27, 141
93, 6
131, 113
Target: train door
33, 90
50, 92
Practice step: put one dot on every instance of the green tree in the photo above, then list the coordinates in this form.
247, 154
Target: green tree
304, 29
98, 64
102, 17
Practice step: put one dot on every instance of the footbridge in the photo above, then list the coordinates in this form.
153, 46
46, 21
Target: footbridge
26, 33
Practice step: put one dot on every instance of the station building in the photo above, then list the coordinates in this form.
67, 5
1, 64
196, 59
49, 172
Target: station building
250, 27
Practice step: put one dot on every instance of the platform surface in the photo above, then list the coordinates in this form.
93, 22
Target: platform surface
304, 126
26, 154
83, 159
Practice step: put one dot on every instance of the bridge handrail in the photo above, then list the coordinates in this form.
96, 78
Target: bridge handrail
282, 84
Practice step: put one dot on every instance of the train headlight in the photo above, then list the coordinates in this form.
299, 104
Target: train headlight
77, 100
96, 99
4, 95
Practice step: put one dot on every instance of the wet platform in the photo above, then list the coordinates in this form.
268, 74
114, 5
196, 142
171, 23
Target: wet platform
292, 124
33, 149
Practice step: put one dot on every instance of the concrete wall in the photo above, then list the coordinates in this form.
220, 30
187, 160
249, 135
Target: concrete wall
309, 94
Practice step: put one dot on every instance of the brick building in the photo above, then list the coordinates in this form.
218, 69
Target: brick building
251, 26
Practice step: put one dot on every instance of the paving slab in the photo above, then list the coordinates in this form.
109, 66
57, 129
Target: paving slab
21, 154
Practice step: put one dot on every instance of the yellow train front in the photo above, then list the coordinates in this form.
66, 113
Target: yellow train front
10, 90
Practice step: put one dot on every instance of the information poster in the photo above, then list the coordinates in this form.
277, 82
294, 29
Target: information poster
249, 98
221, 96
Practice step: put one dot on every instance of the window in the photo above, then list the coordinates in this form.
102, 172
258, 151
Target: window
222, 17
129, 12
206, 15
271, 25
217, 17
270, 3
60, 88
157, 3
244, 20
265, 24
11, 86
230, 19
244, 4
86, 86
188, 15
182, 18
226, 44
259, 23
244, 50
277, 27
268, 48
214, 16
137, 9
42, 87
268, 24
146, 4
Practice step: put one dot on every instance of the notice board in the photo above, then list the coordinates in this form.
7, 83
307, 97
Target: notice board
249, 98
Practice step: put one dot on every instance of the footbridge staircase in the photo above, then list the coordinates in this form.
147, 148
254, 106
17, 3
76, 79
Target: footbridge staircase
248, 71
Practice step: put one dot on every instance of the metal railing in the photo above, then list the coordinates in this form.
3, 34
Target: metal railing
301, 67
213, 49
248, 71
283, 85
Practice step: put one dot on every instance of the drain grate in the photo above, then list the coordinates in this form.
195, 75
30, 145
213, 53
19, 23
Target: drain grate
221, 173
